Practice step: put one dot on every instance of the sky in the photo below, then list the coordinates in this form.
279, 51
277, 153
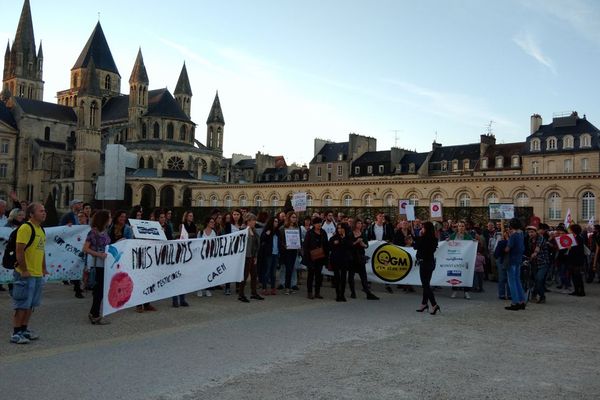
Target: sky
287, 72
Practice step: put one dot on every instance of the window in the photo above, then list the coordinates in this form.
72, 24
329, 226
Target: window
381, 169
484, 163
258, 201
534, 145
340, 157
214, 201
413, 200
175, 163
551, 167
47, 133
318, 171
327, 201
356, 170
588, 206
369, 169
585, 140
516, 162
4, 147
411, 168
368, 200
551, 143
568, 142
309, 200
93, 113
151, 163
466, 164
491, 198
141, 164
568, 166
535, 167
107, 82
156, 130
464, 200
305, 177
554, 206
170, 131
329, 166
275, 201
444, 166
3, 170
522, 199
347, 200
201, 202
455, 165
340, 170
182, 132
228, 201
389, 200
499, 162
437, 198
585, 165
144, 131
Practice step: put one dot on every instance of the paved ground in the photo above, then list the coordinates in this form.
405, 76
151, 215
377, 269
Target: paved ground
294, 348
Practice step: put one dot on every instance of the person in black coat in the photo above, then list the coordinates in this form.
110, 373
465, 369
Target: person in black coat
340, 248
314, 259
359, 243
576, 261
426, 245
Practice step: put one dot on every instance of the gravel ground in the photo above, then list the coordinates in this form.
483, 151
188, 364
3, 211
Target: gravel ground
294, 348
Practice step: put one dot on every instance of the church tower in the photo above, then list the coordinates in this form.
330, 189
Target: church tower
214, 126
88, 134
138, 97
183, 92
23, 66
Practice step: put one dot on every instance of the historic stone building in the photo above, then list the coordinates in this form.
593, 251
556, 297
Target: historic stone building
59, 148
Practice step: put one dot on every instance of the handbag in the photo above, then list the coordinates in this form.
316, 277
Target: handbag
317, 254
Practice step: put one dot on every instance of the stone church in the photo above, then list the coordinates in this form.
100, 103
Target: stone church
59, 148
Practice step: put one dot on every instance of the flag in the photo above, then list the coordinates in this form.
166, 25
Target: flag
184, 233
566, 241
435, 209
568, 219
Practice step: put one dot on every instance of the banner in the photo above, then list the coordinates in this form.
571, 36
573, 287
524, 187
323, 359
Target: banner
455, 264
299, 201
566, 241
502, 211
141, 271
64, 256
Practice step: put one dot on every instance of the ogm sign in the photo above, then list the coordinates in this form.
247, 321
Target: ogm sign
391, 263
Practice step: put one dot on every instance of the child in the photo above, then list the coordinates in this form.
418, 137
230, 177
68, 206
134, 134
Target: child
479, 268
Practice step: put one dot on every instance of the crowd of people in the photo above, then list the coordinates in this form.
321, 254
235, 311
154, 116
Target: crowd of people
524, 261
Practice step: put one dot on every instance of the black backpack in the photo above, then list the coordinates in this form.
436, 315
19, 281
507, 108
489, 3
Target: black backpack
9, 259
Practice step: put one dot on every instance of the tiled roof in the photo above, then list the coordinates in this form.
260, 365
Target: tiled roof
46, 110
6, 116
97, 47
371, 157
505, 150
459, 152
330, 152
183, 83
571, 125
412, 158
138, 73
247, 163
161, 145
162, 104
116, 109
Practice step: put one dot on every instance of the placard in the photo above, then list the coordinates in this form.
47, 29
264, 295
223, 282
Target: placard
299, 201
435, 210
402, 206
410, 212
292, 239
502, 211
143, 229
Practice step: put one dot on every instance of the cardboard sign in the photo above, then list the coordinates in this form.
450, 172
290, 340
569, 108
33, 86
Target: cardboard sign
299, 201
435, 210
502, 211
292, 239
143, 229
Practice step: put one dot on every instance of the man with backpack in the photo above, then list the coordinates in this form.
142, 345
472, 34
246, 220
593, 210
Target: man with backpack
29, 272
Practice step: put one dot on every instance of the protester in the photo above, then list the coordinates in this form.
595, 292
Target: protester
329, 225
268, 255
340, 247
380, 230
95, 247
515, 249
234, 223
480, 261
357, 264
502, 267
541, 260
187, 223
426, 246
289, 255
576, 261
461, 234
120, 228
250, 265
316, 250
29, 272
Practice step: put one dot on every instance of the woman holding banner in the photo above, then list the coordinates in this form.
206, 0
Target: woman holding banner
461, 234
426, 246
95, 247
289, 251
234, 223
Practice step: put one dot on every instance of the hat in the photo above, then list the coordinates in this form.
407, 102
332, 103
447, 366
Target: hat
75, 201
531, 228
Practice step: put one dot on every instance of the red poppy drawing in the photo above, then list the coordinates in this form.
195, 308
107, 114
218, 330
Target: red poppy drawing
121, 287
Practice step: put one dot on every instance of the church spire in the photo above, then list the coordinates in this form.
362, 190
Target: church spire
183, 83
216, 114
40, 52
139, 74
89, 84
24, 40
215, 125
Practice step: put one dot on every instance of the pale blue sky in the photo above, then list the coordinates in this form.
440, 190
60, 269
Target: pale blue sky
290, 71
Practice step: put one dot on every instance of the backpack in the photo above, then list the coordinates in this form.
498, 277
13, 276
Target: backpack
9, 259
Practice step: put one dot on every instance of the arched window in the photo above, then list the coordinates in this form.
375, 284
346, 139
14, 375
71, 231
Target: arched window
258, 201
551, 143
522, 199
515, 163
107, 82
368, 200
186, 200
144, 131
588, 206
141, 164
347, 200
499, 162
464, 200
170, 131
227, 200
413, 199
327, 200
554, 206
47, 133
568, 142
491, 198
182, 132
175, 163
148, 197
389, 200
484, 163
167, 197
150, 163
93, 112
243, 201
156, 129
309, 200
585, 140
534, 145
214, 201
275, 201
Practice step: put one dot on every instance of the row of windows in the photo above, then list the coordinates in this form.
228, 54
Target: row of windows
585, 141
567, 166
183, 131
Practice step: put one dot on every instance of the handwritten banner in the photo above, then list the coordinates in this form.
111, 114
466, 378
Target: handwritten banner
64, 256
140, 271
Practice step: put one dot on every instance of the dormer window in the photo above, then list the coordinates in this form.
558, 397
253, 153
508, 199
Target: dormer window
551, 143
499, 162
568, 142
454, 165
356, 170
466, 165
515, 163
444, 166
381, 169
340, 157
369, 169
411, 168
534, 145
484, 163
585, 140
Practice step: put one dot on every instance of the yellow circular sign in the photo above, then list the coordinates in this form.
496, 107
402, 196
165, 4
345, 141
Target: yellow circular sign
391, 263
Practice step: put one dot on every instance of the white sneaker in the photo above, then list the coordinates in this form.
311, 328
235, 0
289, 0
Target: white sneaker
454, 293
207, 293
18, 338
199, 293
467, 296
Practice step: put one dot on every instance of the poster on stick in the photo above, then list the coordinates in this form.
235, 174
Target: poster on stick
143, 229
299, 202
141, 271
410, 212
435, 210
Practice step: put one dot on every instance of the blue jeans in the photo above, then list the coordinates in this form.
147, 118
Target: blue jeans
514, 283
540, 282
563, 273
270, 265
503, 288
289, 263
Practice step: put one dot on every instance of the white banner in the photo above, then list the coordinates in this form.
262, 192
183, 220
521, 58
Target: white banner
455, 263
143, 229
64, 256
141, 271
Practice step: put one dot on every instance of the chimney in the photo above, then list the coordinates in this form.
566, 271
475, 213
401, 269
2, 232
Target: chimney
536, 123
486, 141
435, 145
